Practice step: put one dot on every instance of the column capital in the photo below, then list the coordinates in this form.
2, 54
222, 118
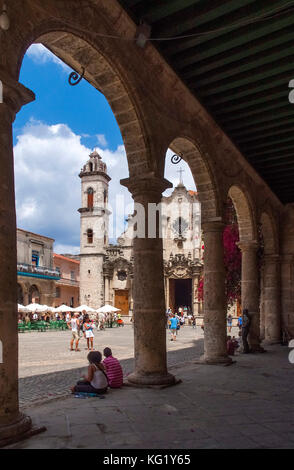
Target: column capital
271, 258
13, 95
213, 225
248, 245
148, 185
287, 258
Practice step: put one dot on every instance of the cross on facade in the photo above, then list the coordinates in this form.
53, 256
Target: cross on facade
181, 171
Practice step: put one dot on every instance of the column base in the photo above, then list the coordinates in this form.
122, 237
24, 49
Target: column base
151, 380
16, 431
257, 349
268, 342
216, 360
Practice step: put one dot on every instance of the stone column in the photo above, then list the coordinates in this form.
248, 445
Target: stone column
215, 332
13, 424
250, 291
271, 299
261, 305
167, 292
106, 287
287, 297
148, 288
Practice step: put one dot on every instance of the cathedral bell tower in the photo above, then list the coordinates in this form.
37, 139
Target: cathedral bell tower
94, 221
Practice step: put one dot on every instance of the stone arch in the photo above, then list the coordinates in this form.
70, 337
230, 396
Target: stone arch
245, 213
34, 294
20, 294
204, 178
108, 76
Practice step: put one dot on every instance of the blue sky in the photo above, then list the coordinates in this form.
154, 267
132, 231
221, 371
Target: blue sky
53, 137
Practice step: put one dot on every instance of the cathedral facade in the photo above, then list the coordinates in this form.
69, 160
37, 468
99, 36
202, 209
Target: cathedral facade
106, 270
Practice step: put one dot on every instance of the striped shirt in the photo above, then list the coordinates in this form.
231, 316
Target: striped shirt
114, 372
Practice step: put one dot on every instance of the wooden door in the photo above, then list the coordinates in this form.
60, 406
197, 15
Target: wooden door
122, 301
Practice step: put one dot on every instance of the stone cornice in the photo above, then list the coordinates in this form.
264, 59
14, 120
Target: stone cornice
15, 95
248, 245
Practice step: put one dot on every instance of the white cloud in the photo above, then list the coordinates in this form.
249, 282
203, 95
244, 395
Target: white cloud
102, 140
66, 249
41, 55
48, 160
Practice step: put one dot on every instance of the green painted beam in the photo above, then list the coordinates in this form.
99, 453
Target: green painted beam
255, 137
253, 110
285, 162
157, 10
260, 99
248, 131
252, 89
219, 42
210, 13
229, 56
264, 61
253, 77
278, 171
262, 118
280, 179
271, 142
253, 156
274, 157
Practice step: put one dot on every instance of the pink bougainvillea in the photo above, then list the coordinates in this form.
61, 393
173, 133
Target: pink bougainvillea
232, 258
232, 261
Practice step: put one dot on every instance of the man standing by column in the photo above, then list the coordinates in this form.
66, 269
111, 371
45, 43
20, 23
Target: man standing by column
245, 330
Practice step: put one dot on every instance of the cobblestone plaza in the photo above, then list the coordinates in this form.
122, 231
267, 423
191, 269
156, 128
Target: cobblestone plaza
246, 405
48, 368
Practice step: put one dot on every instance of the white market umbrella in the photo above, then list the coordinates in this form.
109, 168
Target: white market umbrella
37, 308
22, 308
107, 309
83, 307
64, 308
51, 309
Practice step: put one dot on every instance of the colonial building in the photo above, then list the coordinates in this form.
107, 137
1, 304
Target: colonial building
67, 286
36, 274
106, 273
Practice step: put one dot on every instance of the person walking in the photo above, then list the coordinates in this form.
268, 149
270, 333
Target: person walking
230, 322
173, 326
73, 325
246, 320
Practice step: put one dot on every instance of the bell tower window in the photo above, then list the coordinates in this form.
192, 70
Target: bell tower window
90, 198
90, 235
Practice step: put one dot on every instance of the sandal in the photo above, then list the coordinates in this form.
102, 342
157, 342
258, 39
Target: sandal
77, 349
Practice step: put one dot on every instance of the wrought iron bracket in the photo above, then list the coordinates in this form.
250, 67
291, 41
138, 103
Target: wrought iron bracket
176, 158
74, 78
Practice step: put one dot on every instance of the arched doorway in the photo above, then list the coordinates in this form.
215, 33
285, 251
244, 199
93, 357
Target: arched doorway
20, 295
34, 294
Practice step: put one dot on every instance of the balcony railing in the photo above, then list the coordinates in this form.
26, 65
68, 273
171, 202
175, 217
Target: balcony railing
68, 282
37, 271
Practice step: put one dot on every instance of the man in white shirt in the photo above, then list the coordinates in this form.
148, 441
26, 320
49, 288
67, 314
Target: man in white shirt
35, 316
